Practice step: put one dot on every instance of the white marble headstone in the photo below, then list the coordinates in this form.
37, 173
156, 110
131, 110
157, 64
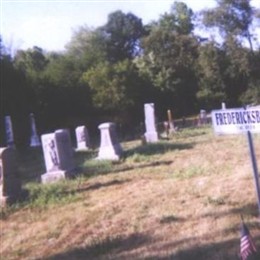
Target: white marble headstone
82, 138
151, 134
58, 155
34, 140
110, 148
9, 132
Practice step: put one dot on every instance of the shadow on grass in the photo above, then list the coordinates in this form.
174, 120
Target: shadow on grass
93, 168
213, 246
96, 168
140, 166
171, 219
250, 209
96, 186
226, 250
103, 247
157, 148
32, 166
41, 196
139, 246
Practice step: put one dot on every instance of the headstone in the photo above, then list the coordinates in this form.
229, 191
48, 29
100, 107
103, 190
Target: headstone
10, 183
170, 120
151, 134
9, 132
110, 148
34, 140
58, 156
82, 138
203, 117
166, 128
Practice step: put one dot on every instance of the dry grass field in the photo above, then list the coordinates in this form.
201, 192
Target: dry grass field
180, 198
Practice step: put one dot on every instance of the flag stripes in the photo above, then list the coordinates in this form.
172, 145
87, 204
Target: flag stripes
247, 246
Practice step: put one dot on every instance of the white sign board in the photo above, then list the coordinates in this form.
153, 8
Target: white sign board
236, 121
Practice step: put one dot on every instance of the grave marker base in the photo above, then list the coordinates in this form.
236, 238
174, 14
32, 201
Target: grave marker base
50, 177
110, 153
151, 137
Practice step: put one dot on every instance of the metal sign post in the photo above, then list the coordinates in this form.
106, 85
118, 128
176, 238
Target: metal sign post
254, 165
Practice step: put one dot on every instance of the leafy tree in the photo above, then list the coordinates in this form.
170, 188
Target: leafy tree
87, 47
32, 63
30, 60
233, 18
179, 19
113, 86
13, 97
63, 75
210, 63
168, 59
252, 94
62, 71
237, 70
121, 35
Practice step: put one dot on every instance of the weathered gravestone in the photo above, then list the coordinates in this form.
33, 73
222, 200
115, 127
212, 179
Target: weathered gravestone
151, 134
203, 117
58, 156
10, 183
9, 132
82, 138
110, 148
34, 140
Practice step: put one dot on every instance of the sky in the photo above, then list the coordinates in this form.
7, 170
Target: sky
50, 24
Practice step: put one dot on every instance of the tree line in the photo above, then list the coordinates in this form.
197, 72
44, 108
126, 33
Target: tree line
108, 73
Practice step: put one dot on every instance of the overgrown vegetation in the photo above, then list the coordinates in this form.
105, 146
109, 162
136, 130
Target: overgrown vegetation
175, 199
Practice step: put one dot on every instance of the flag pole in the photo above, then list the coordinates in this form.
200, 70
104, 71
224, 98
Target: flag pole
254, 165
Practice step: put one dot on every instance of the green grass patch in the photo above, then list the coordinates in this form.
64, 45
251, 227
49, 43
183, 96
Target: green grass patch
215, 201
93, 168
190, 172
42, 196
192, 132
137, 158
160, 147
6, 211
169, 219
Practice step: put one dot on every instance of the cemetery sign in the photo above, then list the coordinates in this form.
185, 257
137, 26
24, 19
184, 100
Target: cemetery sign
236, 121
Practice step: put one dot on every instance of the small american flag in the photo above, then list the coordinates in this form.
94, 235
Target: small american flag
247, 247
